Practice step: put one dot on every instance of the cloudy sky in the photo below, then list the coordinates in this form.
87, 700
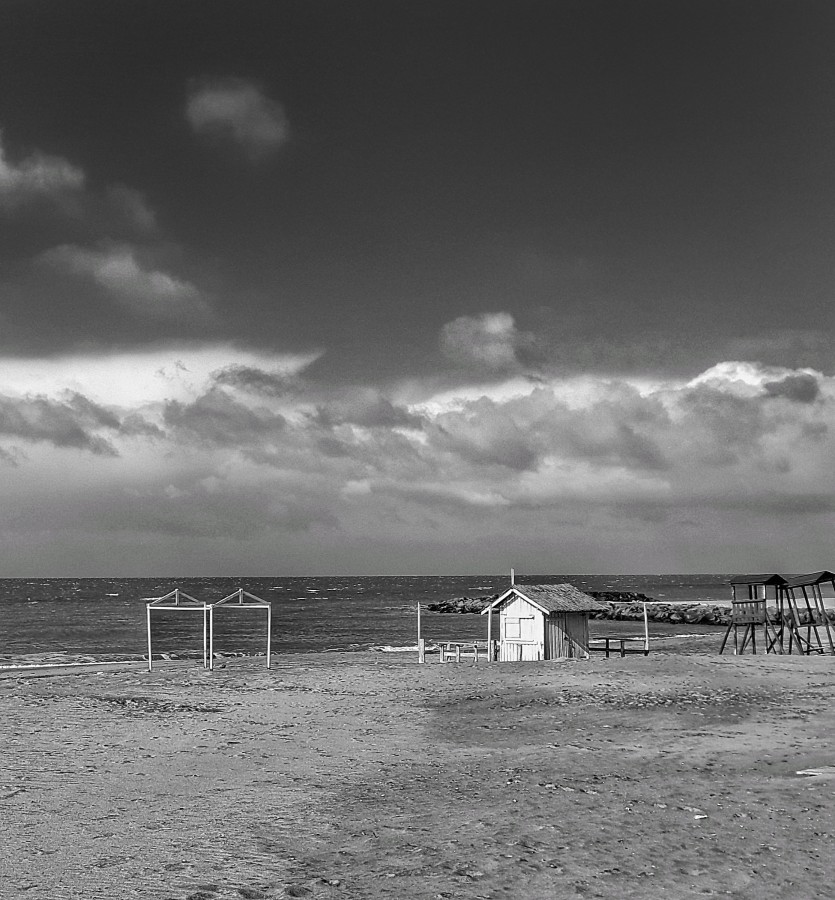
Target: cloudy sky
321, 287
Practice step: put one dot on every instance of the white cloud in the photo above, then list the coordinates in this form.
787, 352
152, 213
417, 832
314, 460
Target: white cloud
746, 379
140, 378
490, 341
238, 111
56, 187
593, 460
145, 291
37, 176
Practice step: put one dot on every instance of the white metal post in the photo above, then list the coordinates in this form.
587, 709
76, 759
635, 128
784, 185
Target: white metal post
269, 632
646, 630
489, 634
205, 661
148, 609
211, 637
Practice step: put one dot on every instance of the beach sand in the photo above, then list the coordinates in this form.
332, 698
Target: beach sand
368, 776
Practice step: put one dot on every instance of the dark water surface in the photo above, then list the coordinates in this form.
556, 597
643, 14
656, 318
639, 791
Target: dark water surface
98, 619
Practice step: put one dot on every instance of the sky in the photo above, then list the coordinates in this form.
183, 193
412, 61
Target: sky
382, 287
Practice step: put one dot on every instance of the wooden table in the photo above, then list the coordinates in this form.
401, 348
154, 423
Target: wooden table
613, 640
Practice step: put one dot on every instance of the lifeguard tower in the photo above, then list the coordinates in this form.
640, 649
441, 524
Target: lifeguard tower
803, 618
749, 612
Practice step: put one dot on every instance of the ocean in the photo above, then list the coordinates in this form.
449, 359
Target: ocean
47, 620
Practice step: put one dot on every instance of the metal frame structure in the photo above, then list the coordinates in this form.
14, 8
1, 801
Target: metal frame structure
240, 599
180, 601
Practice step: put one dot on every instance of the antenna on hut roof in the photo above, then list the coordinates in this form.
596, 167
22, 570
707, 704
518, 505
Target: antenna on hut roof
512, 577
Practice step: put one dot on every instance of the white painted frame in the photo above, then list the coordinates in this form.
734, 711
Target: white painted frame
179, 600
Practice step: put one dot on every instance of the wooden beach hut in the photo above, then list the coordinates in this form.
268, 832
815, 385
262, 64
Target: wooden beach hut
542, 621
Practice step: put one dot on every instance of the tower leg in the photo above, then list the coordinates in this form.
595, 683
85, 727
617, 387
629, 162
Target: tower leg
725, 638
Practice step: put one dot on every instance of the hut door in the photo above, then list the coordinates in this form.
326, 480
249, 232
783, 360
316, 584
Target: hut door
521, 640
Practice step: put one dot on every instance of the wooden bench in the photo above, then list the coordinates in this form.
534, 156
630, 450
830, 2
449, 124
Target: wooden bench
456, 650
619, 642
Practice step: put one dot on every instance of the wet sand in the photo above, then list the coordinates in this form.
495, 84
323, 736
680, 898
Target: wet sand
365, 775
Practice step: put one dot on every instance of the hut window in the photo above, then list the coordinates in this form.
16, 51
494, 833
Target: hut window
513, 628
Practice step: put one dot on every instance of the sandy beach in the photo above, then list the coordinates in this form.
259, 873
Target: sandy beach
368, 776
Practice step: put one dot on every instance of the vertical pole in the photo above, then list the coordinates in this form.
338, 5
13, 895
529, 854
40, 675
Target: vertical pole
646, 631
205, 661
825, 618
512, 577
813, 625
269, 632
211, 637
421, 646
489, 634
148, 608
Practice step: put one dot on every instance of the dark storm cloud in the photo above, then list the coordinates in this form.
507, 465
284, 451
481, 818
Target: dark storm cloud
520, 230
220, 419
724, 426
618, 443
484, 436
368, 409
136, 425
801, 388
257, 381
62, 424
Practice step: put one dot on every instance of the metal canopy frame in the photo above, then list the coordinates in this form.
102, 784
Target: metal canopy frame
240, 599
180, 601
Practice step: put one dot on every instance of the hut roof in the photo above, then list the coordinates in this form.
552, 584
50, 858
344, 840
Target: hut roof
813, 578
757, 579
551, 598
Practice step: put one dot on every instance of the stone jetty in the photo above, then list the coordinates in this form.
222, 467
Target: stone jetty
621, 605
628, 606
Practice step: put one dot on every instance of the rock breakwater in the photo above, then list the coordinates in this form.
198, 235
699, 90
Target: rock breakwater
620, 605
629, 606
620, 596
671, 613
477, 604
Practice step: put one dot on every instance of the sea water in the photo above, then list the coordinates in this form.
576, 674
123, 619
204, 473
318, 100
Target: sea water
101, 619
